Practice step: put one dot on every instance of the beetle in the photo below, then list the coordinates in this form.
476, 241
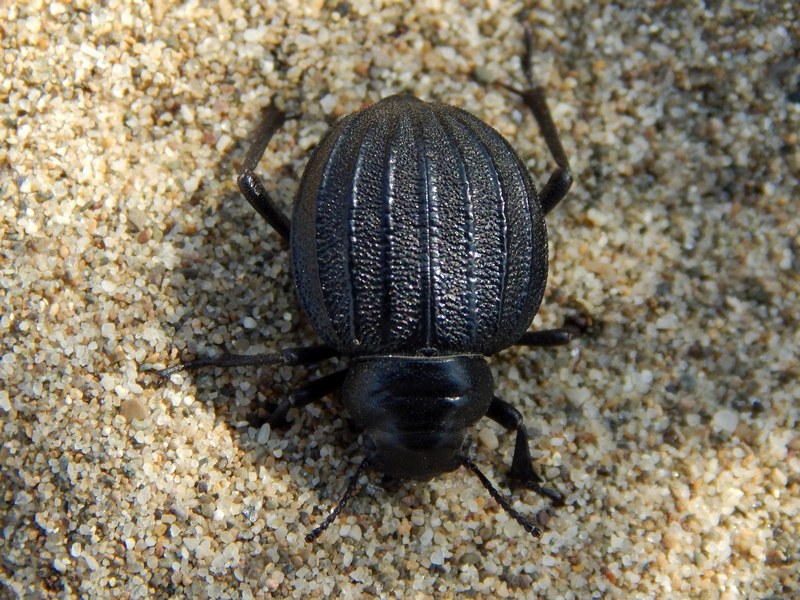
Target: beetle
418, 247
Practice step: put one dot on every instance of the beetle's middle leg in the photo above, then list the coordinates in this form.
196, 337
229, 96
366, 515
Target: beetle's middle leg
249, 183
534, 98
291, 357
522, 472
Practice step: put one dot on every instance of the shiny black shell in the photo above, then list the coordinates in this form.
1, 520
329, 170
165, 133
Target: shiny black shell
417, 230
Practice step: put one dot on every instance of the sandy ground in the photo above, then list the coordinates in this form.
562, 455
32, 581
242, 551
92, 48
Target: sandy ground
671, 425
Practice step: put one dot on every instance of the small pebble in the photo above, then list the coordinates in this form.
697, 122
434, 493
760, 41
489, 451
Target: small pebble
725, 421
134, 409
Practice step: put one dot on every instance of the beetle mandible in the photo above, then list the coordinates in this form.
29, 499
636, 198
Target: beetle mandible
418, 247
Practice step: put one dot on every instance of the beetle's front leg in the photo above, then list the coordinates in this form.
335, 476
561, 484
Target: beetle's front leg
306, 394
522, 472
291, 357
534, 98
249, 183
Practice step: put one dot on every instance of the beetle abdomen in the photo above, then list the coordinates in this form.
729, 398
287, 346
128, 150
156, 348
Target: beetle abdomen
417, 230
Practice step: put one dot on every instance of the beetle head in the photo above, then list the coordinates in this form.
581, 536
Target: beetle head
415, 455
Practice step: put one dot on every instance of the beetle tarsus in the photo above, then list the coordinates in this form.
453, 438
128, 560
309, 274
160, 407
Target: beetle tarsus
582, 323
556, 498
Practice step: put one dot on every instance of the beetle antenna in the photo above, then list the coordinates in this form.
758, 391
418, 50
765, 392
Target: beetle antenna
526, 524
351, 485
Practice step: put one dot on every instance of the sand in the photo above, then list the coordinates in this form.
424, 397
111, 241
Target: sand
671, 425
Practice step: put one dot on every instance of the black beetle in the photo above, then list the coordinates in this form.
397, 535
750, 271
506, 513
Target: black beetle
419, 246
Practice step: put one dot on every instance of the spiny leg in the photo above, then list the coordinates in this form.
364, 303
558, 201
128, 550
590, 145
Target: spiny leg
291, 357
249, 183
521, 472
534, 98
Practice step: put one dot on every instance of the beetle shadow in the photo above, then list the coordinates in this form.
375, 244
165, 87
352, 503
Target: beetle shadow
234, 281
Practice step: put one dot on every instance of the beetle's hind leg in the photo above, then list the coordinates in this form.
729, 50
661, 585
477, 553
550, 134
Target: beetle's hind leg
249, 183
534, 98
522, 472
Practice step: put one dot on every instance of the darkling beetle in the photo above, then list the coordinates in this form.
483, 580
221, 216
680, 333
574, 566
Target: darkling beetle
419, 246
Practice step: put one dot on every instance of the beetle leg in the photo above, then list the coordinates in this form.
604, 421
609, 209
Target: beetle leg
306, 394
522, 472
546, 338
288, 356
534, 98
249, 183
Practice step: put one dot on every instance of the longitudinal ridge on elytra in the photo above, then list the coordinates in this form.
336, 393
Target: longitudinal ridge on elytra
460, 197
